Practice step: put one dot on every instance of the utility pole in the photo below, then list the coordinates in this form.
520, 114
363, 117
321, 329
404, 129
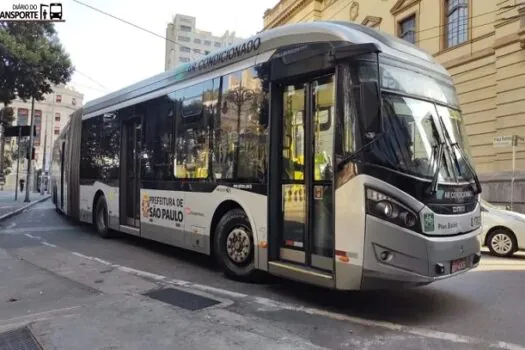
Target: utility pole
2, 139
30, 160
17, 161
515, 139
43, 159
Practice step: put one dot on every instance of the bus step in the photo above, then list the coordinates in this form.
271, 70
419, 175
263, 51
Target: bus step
301, 273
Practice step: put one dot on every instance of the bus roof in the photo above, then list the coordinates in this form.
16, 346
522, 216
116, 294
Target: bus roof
269, 41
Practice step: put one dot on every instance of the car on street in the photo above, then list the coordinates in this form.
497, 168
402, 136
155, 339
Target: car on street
503, 230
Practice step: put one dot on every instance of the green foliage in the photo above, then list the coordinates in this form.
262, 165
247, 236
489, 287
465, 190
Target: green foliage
7, 116
32, 59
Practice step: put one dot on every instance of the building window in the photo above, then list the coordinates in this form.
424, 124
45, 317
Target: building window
58, 98
456, 22
57, 117
74, 101
185, 49
185, 28
207, 42
57, 130
22, 117
197, 41
407, 29
217, 44
197, 51
184, 59
183, 38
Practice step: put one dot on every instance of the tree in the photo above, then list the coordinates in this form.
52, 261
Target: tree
32, 60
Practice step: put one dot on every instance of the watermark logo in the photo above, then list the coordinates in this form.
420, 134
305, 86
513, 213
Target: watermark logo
21, 12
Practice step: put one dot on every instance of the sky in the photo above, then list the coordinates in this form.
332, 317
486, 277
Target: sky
109, 55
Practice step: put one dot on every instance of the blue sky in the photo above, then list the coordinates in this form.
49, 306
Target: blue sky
114, 54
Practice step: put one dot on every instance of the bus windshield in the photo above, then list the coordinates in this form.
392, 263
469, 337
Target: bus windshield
412, 138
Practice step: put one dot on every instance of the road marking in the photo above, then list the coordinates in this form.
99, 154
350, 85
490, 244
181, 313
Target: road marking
11, 230
140, 273
49, 244
31, 236
273, 304
93, 258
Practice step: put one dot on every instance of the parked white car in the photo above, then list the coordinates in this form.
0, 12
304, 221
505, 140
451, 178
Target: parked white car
503, 230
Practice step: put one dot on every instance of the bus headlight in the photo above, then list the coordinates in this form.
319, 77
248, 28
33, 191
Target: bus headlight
385, 207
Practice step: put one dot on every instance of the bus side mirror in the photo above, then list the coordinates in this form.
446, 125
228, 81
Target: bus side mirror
371, 118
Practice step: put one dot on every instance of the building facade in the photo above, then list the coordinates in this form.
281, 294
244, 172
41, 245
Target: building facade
186, 43
481, 44
51, 115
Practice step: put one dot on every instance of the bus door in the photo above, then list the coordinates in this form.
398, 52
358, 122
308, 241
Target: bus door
130, 173
302, 230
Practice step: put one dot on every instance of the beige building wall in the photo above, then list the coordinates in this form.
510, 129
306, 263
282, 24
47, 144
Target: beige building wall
54, 113
487, 63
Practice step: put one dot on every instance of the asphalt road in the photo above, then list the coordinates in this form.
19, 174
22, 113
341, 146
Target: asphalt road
486, 303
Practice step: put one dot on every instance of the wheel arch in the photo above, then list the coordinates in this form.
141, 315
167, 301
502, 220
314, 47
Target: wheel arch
222, 209
495, 228
97, 195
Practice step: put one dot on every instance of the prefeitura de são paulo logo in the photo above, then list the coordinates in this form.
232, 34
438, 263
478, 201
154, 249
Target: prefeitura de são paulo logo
145, 205
51, 12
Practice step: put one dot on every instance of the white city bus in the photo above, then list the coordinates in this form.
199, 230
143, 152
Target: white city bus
323, 152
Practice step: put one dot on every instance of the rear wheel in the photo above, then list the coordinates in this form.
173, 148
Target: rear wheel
101, 218
502, 242
234, 245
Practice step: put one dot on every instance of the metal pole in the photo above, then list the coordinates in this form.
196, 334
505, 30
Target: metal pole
18, 161
2, 142
30, 160
514, 142
43, 156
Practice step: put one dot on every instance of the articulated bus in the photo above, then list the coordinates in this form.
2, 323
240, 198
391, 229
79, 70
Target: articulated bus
326, 152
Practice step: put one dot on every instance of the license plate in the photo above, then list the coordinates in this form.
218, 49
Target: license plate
458, 265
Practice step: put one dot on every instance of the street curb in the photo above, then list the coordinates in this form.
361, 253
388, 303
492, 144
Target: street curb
19, 210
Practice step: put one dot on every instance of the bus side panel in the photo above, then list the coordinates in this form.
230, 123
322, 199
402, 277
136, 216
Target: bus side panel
162, 212
349, 230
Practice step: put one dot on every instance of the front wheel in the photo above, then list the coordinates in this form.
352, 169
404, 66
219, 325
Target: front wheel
502, 243
234, 245
101, 218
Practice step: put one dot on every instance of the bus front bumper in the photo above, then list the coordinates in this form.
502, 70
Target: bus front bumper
396, 257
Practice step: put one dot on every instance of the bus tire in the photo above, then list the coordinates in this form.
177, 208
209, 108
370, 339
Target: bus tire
234, 245
101, 218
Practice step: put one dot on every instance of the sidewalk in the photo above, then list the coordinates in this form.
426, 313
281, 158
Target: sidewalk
9, 207
65, 301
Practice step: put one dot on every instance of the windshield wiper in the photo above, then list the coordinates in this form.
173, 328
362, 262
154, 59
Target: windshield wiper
434, 184
463, 156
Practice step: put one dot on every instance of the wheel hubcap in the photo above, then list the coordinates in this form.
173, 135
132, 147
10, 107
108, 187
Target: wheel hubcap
501, 243
238, 245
